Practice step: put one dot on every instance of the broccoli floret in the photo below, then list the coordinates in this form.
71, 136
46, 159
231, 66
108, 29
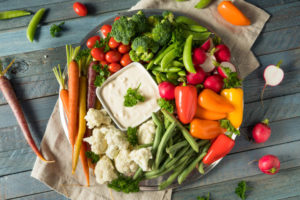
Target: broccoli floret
154, 19
162, 32
123, 30
143, 48
141, 20
169, 16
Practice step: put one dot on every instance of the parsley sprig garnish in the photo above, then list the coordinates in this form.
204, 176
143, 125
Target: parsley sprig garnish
125, 184
204, 197
133, 97
165, 104
132, 136
225, 123
232, 80
241, 189
103, 43
56, 29
103, 74
94, 157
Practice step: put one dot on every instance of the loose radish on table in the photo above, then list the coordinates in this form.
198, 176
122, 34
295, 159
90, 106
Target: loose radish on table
214, 82
269, 164
166, 90
225, 68
208, 65
208, 45
261, 131
273, 76
196, 78
199, 56
10, 96
222, 53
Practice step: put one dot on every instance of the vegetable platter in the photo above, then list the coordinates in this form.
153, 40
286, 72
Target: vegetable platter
182, 81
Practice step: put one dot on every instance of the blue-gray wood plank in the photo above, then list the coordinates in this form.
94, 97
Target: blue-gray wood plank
37, 90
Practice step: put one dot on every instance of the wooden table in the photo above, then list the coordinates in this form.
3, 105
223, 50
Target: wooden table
37, 90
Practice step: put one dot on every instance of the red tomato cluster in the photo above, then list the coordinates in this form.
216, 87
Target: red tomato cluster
118, 55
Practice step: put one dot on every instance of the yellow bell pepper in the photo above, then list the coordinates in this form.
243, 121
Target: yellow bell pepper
235, 96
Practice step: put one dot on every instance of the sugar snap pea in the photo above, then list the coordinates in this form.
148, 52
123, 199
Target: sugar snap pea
150, 65
181, 73
202, 4
197, 28
185, 20
168, 58
33, 24
176, 63
161, 54
13, 14
172, 76
171, 69
187, 55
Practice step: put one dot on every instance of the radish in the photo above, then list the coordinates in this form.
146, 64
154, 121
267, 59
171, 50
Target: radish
208, 45
222, 53
273, 76
10, 96
196, 78
166, 90
214, 82
269, 164
199, 56
225, 68
208, 65
261, 131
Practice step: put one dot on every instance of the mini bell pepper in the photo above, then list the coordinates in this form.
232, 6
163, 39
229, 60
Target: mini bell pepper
235, 96
186, 102
219, 148
202, 113
205, 129
212, 101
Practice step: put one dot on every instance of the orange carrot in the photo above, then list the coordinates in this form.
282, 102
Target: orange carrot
64, 96
84, 163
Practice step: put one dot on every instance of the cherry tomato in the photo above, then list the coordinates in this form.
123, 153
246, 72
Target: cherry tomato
105, 29
92, 41
118, 17
103, 62
98, 54
112, 56
125, 60
123, 48
80, 9
113, 43
114, 67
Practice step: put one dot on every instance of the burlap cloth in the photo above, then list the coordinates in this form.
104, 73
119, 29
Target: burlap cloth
55, 144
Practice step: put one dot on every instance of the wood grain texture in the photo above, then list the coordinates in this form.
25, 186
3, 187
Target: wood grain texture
51, 195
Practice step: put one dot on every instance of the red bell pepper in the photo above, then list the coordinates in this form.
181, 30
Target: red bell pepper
186, 102
219, 148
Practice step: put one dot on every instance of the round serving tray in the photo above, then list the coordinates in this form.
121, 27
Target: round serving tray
152, 184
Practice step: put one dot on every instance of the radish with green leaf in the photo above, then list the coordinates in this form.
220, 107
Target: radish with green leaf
269, 164
261, 131
225, 68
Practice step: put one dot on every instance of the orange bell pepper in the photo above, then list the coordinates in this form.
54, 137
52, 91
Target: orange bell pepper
212, 101
210, 115
205, 129
232, 14
235, 96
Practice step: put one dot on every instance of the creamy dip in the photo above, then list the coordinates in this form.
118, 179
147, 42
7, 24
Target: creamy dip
114, 91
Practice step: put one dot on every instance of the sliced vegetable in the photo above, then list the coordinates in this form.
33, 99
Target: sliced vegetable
187, 55
261, 131
13, 14
202, 113
208, 65
205, 129
269, 164
33, 24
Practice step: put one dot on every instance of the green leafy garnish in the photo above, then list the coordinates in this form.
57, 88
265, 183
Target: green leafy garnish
225, 123
133, 97
165, 104
103, 74
103, 43
203, 197
232, 81
125, 184
56, 29
94, 157
241, 189
132, 136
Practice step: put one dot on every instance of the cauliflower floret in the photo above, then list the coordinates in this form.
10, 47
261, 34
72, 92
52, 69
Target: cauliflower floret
105, 171
96, 118
97, 141
146, 132
116, 141
142, 157
112, 151
124, 164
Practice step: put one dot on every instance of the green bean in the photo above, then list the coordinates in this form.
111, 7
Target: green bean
171, 69
190, 168
174, 148
166, 123
202, 4
185, 20
185, 132
181, 73
150, 65
33, 24
200, 168
138, 173
162, 53
13, 14
158, 132
187, 55
168, 58
161, 147
172, 76
144, 145
170, 142
187, 152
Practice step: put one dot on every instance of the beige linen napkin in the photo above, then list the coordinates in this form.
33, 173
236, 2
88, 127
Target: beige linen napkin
56, 146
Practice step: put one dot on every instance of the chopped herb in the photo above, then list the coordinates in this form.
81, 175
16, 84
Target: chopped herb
241, 189
133, 97
203, 197
165, 104
225, 123
94, 157
103, 43
125, 184
132, 136
232, 81
103, 74
56, 29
